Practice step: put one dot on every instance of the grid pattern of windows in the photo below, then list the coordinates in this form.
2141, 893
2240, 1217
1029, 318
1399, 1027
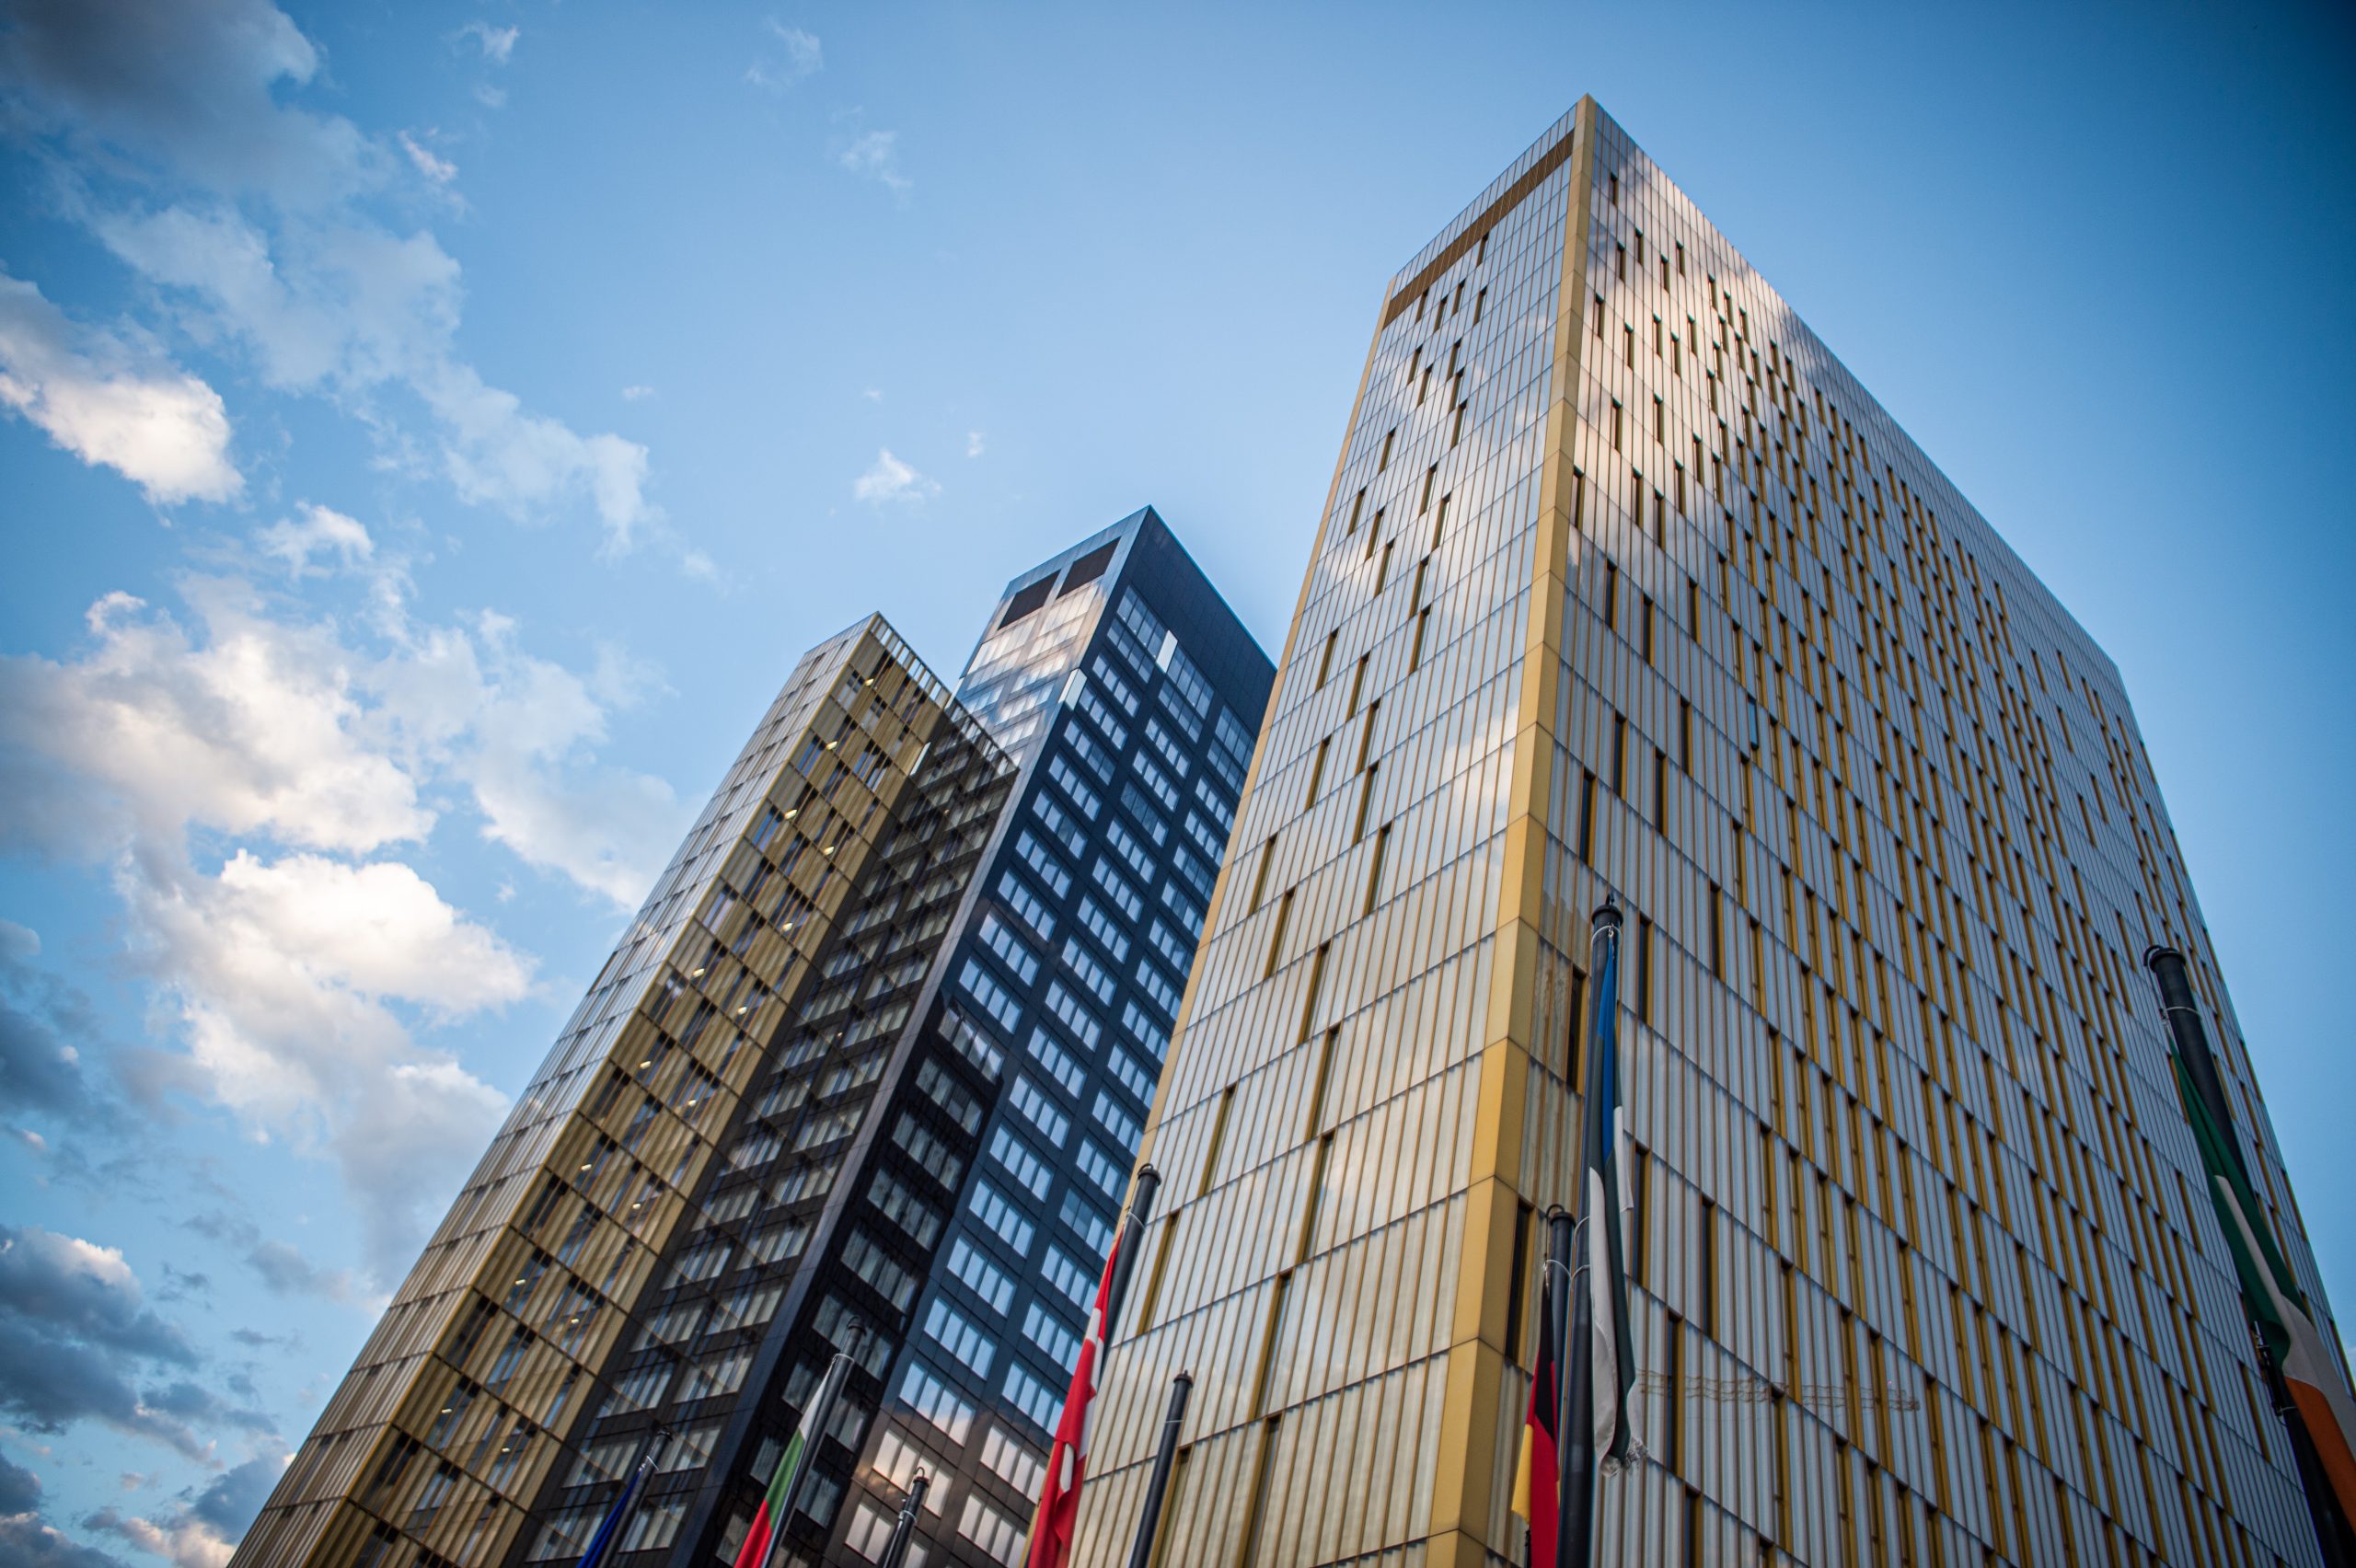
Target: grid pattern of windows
1626, 586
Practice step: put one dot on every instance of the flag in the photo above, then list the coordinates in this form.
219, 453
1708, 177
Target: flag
2276, 1305
768, 1520
1603, 1250
755, 1553
1051, 1537
1536, 1473
610, 1526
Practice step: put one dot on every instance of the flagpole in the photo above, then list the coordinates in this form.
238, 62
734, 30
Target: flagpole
1575, 1545
1149, 1184
1063, 1477
820, 1413
1164, 1457
2182, 1009
896, 1550
616, 1521
1572, 1376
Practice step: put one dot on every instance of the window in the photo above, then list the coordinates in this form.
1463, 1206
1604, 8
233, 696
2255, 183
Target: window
1158, 986
1088, 971
1020, 1163
1047, 1332
1001, 940
1100, 1168
1056, 1060
990, 1530
1031, 1398
1134, 1076
1117, 1122
1115, 686
1033, 1104
1010, 1459
1133, 800
1117, 888
1063, 773
1130, 851
1035, 854
1099, 924
870, 1532
1077, 1286
931, 1398
992, 997
1087, 1224
1067, 831
981, 1276
1003, 1218
1157, 782
1027, 904
1075, 1017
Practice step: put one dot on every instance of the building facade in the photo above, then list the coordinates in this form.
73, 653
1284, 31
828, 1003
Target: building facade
1626, 586
878, 1047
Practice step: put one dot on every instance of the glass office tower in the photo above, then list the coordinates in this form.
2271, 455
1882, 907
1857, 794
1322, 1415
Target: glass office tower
1625, 585
879, 1047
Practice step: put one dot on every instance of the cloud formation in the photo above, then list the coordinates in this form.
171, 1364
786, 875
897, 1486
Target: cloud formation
497, 43
793, 56
202, 1530
43, 1025
301, 965
892, 480
77, 1340
110, 405
874, 154
268, 250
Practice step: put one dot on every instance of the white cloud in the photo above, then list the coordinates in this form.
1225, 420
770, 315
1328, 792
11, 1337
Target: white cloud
875, 155
440, 171
298, 968
893, 480
191, 89
324, 297
162, 429
184, 1542
356, 310
973, 443
258, 728
318, 529
634, 394
796, 58
498, 43
284, 975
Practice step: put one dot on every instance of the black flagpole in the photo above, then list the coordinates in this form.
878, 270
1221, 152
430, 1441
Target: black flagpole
1125, 1263
896, 1550
1149, 1522
1575, 1542
1560, 1261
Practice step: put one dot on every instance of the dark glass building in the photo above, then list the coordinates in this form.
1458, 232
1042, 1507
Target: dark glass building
938, 1142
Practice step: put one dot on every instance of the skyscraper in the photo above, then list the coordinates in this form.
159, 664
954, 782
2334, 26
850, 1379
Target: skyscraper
878, 1045
1625, 585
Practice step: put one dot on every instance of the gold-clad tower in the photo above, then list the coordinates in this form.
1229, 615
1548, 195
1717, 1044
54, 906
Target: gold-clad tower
1624, 584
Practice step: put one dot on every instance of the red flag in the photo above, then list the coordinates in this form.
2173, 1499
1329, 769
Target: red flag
1051, 1535
1537, 1469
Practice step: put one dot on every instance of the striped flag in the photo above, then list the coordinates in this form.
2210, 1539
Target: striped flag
1051, 1537
612, 1525
2276, 1304
768, 1520
1538, 1472
1602, 1250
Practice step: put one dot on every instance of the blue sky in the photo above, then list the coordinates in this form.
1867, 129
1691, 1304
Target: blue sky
429, 432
